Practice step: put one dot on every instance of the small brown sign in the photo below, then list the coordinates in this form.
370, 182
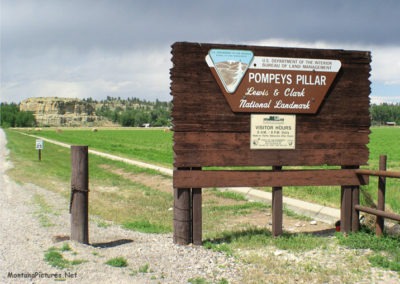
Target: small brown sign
258, 84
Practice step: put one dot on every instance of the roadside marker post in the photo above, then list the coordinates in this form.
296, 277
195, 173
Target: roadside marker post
39, 147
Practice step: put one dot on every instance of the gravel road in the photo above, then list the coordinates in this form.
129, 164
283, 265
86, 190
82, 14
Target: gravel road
25, 240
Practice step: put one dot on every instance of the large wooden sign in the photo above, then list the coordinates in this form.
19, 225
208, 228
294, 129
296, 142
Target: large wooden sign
267, 106
207, 132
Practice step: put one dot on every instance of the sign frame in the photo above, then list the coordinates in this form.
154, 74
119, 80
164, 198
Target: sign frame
272, 132
39, 144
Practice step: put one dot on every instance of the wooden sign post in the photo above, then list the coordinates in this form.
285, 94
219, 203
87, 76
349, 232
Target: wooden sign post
266, 106
79, 204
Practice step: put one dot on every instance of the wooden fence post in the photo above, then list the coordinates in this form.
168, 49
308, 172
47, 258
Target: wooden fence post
188, 214
347, 206
380, 221
345, 209
355, 215
197, 216
182, 216
79, 205
277, 208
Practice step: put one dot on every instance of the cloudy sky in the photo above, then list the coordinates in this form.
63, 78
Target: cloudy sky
100, 48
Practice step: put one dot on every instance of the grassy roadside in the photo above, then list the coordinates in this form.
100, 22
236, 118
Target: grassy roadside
137, 198
111, 197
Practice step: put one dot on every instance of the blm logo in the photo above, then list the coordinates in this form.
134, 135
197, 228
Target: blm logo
230, 65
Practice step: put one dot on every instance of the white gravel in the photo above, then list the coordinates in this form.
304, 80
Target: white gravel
24, 242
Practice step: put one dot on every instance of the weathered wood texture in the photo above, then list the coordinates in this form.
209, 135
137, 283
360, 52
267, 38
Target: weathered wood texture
277, 207
377, 212
197, 216
208, 133
79, 206
380, 222
232, 178
182, 216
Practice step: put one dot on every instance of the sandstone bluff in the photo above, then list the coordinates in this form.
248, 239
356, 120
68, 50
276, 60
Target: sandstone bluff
54, 111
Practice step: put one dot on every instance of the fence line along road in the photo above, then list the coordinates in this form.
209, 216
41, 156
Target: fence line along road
315, 211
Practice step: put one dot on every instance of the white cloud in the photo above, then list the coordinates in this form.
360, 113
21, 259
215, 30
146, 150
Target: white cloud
96, 74
385, 65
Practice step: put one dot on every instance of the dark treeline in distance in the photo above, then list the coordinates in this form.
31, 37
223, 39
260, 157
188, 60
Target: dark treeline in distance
134, 112
11, 116
384, 113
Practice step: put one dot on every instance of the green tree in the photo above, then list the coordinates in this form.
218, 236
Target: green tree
25, 119
11, 116
380, 114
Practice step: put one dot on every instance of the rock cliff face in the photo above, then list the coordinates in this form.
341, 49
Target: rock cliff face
61, 111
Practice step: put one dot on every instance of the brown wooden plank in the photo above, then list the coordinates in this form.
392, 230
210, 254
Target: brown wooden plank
380, 213
390, 174
247, 157
233, 140
214, 120
216, 125
233, 178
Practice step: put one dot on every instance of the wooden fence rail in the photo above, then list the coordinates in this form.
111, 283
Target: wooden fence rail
379, 212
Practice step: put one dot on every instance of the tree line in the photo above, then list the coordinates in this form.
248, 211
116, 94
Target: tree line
383, 113
11, 116
136, 112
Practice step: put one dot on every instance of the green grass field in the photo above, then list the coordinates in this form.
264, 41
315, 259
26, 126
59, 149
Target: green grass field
155, 146
148, 145
385, 141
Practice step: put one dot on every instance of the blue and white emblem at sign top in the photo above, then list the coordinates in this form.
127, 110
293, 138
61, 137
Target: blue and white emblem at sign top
230, 65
